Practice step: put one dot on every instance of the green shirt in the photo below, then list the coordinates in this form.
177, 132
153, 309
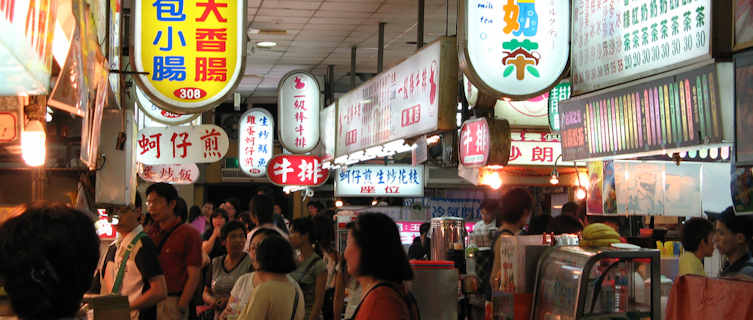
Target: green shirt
690, 264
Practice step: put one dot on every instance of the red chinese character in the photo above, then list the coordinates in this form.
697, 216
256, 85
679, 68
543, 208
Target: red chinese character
514, 153
147, 144
184, 144
166, 174
542, 154
211, 69
211, 144
211, 40
251, 131
185, 175
299, 129
251, 119
299, 116
299, 103
146, 172
210, 6
300, 142
299, 84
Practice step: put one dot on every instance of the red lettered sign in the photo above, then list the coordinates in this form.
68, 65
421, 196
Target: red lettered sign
296, 170
474, 143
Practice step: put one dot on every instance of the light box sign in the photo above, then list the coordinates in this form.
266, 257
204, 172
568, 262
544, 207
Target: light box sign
26, 46
160, 115
617, 41
517, 49
298, 106
181, 145
528, 113
474, 143
560, 92
380, 181
415, 97
327, 132
255, 145
296, 170
535, 149
169, 173
677, 111
192, 51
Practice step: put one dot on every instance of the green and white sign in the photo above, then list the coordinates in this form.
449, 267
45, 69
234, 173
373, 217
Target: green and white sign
558, 93
620, 40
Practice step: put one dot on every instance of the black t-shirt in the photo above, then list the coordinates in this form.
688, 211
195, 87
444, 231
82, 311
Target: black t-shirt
147, 262
218, 249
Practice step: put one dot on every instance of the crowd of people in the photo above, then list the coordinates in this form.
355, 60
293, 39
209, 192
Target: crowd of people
175, 262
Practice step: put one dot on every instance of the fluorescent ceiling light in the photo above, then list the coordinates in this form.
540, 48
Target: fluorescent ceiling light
266, 44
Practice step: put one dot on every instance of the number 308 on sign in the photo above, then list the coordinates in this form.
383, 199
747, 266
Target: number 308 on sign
190, 93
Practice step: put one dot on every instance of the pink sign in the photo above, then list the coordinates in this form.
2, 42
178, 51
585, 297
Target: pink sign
170, 173
474, 143
296, 170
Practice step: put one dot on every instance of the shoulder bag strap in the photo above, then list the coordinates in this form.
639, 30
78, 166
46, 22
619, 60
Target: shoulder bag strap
295, 303
121, 271
167, 236
381, 284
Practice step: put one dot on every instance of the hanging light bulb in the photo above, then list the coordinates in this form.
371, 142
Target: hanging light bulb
492, 180
555, 179
374, 202
580, 193
339, 203
33, 144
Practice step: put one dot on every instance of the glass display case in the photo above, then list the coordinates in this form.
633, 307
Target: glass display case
599, 283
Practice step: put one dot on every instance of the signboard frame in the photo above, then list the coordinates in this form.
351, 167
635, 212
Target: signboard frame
234, 81
270, 163
469, 70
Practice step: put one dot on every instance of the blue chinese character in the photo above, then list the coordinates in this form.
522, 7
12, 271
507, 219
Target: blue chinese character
356, 175
467, 213
437, 211
169, 10
367, 176
263, 134
171, 68
345, 176
391, 176
264, 120
413, 176
380, 176
453, 211
169, 39
404, 176
262, 162
263, 148
528, 19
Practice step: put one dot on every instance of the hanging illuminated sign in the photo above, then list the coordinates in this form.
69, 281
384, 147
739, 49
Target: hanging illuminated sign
526, 113
535, 148
298, 106
296, 170
160, 115
625, 40
558, 93
380, 181
192, 51
170, 173
255, 145
514, 48
677, 111
474, 143
415, 97
26, 46
181, 144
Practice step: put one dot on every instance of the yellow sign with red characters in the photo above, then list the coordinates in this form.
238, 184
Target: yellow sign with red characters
191, 51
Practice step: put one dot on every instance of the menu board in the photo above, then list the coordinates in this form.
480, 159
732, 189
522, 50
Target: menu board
677, 111
615, 41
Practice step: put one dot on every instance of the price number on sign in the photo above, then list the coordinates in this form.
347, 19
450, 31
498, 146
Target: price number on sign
190, 93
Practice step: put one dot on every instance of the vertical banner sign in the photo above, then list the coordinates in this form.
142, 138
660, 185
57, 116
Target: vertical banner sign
558, 93
595, 203
514, 48
678, 111
26, 46
296, 170
616, 41
256, 141
474, 143
192, 51
298, 106
161, 115
181, 145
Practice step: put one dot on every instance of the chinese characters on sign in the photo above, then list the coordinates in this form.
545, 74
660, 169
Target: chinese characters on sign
380, 181
170, 173
535, 148
181, 145
672, 112
192, 50
296, 170
515, 48
160, 115
474, 143
256, 141
618, 40
298, 111
402, 102
558, 93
